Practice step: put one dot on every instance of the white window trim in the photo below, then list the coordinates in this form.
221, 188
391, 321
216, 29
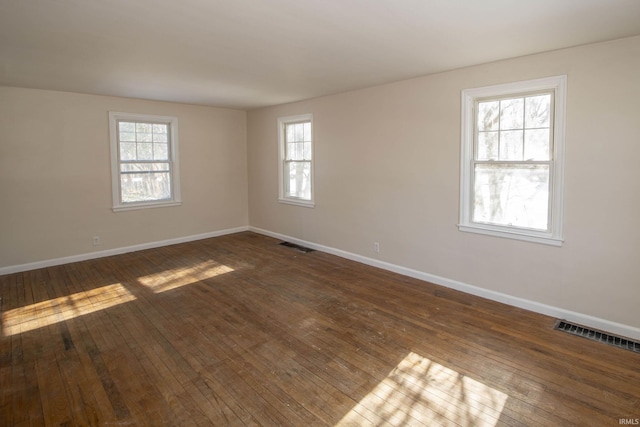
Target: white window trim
115, 161
282, 198
553, 237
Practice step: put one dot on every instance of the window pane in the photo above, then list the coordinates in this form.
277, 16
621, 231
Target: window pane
298, 151
127, 127
127, 136
160, 152
511, 145
144, 128
289, 151
511, 113
160, 128
307, 131
142, 182
145, 151
298, 180
159, 137
294, 151
536, 144
290, 133
515, 195
537, 111
487, 146
145, 187
144, 137
307, 150
128, 151
299, 132
488, 115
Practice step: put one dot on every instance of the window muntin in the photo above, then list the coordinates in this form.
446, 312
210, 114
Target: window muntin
296, 159
144, 161
145, 171
512, 160
512, 164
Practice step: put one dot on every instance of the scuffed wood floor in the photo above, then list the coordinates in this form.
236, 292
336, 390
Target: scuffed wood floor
238, 330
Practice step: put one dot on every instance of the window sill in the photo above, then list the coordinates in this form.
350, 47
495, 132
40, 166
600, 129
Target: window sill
298, 202
515, 235
136, 206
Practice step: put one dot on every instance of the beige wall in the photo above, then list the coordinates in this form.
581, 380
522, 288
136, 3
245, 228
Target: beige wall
387, 169
55, 175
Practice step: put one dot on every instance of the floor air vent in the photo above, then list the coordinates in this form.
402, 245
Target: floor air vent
297, 247
594, 335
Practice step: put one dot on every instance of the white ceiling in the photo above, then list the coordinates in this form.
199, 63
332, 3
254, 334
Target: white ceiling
252, 53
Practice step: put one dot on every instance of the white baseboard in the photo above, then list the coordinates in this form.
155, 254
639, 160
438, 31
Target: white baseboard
116, 251
580, 318
560, 313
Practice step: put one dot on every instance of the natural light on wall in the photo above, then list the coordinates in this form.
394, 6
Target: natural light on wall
421, 392
171, 279
55, 310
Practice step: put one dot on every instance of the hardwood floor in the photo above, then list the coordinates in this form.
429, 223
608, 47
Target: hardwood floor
238, 330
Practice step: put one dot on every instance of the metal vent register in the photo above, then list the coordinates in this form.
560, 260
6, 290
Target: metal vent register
594, 335
297, 247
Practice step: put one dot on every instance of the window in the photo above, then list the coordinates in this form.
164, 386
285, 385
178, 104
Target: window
144, 161
295, 135
512, 159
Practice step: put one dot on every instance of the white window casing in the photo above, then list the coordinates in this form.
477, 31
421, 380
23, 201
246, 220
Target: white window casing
295, 160
510, 186
144, 161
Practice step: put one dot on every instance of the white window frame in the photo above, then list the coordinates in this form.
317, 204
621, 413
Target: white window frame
282, 196
174, 200
554, 235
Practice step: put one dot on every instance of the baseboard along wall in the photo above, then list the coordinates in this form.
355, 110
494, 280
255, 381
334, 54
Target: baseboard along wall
116, 251
537, 307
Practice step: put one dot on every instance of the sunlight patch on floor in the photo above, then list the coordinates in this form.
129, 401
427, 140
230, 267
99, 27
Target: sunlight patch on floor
421, 392
59, 309
172, 279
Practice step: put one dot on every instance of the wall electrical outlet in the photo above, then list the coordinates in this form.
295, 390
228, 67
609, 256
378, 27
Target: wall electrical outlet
96, 240
376, 247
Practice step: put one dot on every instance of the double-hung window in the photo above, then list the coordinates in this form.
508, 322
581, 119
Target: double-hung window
512, 159
295, 134
144, 161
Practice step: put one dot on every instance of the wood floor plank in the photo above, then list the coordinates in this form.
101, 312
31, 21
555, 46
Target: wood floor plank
24, 361
499, 346
171, 344
76, 364
109, 351
55, 403
239, 330
12, 387
206, 391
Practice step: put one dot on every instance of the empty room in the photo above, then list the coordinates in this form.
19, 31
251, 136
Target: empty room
319, 213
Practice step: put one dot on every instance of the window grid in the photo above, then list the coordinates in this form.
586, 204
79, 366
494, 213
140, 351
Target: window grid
145, 171
143, 161
297, 152
502, 162
297, 146
159, 135
512, 160
524, 128
296, 160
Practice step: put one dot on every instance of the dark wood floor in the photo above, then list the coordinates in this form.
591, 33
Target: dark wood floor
238, 330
